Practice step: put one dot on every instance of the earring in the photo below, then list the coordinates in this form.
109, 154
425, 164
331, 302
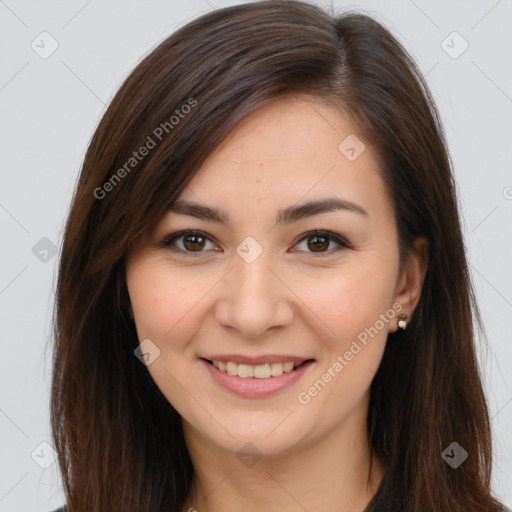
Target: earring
402, 321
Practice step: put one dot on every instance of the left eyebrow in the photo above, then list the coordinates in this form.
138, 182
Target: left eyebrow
295, 213
286, 216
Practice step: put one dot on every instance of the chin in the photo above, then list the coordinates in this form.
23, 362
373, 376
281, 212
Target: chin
267, 437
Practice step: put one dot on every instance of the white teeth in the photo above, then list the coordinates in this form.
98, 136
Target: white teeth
276, 369
232, 368
260, 371
245, 370
287, 367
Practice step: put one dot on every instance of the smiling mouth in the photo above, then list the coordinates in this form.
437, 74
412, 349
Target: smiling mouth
259, 371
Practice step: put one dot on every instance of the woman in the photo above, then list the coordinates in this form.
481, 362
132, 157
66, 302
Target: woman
263, 298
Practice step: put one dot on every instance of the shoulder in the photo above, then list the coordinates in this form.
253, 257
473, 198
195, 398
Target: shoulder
61, 509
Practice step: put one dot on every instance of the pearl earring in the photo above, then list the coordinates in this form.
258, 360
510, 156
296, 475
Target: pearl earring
402, 321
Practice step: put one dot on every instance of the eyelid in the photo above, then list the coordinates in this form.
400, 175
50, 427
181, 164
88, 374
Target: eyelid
332, 236
168, 241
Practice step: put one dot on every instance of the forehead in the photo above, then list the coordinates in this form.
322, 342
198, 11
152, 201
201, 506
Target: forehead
291, 149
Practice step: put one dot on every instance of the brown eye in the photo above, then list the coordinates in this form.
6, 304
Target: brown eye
194, 242
189, 243
318, 243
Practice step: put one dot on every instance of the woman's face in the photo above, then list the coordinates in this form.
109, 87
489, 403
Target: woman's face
259, 287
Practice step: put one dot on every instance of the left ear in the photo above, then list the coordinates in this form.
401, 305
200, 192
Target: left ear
410, 280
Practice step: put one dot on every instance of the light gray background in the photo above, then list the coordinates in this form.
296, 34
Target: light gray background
50, 108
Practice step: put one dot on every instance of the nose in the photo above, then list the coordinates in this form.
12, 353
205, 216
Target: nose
254, 299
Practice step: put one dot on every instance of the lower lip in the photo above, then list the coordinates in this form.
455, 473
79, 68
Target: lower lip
252, 387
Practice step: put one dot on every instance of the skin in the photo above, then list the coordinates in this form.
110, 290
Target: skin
290, 300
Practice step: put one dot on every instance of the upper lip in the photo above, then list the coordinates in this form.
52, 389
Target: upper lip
269, 358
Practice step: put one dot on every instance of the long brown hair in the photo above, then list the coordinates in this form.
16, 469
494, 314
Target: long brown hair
119, 442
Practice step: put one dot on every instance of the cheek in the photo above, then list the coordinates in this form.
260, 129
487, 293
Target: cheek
150, 303
347, 300
165, 300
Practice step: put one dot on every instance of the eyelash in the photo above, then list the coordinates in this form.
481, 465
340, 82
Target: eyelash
168, 241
